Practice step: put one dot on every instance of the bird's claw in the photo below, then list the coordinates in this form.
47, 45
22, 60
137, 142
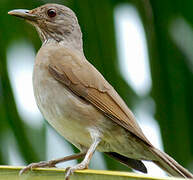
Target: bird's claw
70, 170
37, 165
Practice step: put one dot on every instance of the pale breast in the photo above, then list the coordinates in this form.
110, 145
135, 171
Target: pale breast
66, 112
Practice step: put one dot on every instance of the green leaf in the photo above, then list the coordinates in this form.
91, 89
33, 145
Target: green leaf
11, 173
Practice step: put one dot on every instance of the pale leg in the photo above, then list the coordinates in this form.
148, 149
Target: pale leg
84, 164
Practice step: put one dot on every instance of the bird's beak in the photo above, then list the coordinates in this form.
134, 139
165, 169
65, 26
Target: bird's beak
23, 13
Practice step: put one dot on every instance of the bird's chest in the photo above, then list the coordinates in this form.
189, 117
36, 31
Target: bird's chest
68, 114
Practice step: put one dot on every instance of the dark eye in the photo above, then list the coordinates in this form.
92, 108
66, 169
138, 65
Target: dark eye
51, 13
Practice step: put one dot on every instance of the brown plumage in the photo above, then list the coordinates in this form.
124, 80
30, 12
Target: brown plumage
79, 103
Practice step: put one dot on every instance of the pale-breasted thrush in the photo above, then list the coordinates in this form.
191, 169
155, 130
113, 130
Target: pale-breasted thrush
79, 103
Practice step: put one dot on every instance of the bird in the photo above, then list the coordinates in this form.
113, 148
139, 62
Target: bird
79, 103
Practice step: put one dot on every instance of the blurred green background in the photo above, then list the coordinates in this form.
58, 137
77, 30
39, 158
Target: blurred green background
168, 34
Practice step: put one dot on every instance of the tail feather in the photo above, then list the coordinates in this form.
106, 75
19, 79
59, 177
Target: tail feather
169, 165
132, 163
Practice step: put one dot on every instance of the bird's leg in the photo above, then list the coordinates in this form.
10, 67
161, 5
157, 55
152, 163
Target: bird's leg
84, 164
52, 163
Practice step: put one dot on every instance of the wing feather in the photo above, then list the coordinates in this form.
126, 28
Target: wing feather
81, 77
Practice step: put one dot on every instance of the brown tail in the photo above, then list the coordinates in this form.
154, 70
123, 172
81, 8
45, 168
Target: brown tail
169, 165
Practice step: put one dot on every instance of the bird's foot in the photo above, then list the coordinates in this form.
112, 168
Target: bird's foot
38, 165
70, 170
51, 163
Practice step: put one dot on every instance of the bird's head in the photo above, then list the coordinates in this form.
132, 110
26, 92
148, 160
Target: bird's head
53, 22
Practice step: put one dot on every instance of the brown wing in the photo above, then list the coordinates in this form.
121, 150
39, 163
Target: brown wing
76, 73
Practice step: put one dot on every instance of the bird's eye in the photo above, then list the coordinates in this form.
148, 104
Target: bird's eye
51, 13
